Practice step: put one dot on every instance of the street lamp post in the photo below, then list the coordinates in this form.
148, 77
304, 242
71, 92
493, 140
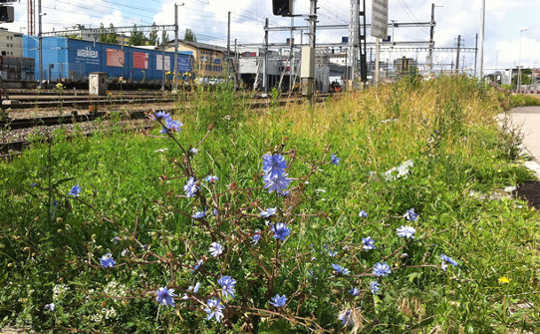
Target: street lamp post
521, 31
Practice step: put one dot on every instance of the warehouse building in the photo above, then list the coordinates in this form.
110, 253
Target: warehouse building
209, 61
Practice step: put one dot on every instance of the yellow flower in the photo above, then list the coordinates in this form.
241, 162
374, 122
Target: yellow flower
59, 85
504, 280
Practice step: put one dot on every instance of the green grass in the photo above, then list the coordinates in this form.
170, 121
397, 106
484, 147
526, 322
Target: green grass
446, 126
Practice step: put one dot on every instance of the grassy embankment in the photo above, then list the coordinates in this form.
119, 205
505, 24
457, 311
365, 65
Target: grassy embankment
461, 162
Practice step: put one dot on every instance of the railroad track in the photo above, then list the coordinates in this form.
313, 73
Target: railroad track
88, 102
133, 115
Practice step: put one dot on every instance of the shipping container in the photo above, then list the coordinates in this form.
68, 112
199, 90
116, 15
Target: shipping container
72, 60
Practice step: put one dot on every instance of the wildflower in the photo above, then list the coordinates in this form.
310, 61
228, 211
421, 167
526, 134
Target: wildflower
278, 301
402, 170
195, 288
278, 183
211, 178
171, 125
214, 309
345, 318
406, 231
281, 231
160, 115
331, 253
227, 283
410, 215
284, 193
354, 291
33, 185
193, 151
256, 237
191, 187
49, 307
334, 159
107, 261
125, 252
268, 213
115, 240
447, 259
197, 266
199, 215
368, 243
274, 165
374, 287
165, 296
215, 212
75, 191
216, 249
504, 280
381, 269
363, 214
340, 270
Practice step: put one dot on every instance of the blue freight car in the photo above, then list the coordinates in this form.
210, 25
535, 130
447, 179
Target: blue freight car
72, 60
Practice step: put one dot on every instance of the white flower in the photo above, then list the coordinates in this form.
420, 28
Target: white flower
49, 307
216, 249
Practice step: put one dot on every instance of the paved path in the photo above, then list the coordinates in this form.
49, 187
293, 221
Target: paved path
529, 120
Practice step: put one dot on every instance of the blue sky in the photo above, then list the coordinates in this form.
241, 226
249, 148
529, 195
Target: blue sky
208, 18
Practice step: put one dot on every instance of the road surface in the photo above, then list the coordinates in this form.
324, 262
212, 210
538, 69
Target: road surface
528, 118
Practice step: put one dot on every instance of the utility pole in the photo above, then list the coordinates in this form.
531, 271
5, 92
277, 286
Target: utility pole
175, 46
265, 76
228, 45
308, 56
483, 38
475, 54
377, 59
431, 38
457, 53
40, 45
291, 57
235, 64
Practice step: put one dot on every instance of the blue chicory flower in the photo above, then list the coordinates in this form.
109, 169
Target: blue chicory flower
227, 284
214, 309
363, 214
268, 213
49, 307
160, 115
165, 296
278, 301
331, 253
211, 178
334, 159
274, 165
75, 191
107, 261
171, 125
193, 151
256, 237
197, 266
345, 318
278, 183
447, 260
410, 215
406, 231
381, 269
374, 286
281, 231
368, 243
340, 270
216, 249
354, 291
191, 187
199, 215
194, 288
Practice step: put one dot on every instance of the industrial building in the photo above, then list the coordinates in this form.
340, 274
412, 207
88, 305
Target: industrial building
209, 61
10, 43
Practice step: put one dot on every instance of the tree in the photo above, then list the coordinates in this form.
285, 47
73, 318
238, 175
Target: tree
112, 37
153, 35
136, 37
190, 36
103, 38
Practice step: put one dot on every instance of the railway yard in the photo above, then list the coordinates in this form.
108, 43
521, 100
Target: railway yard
28, 112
